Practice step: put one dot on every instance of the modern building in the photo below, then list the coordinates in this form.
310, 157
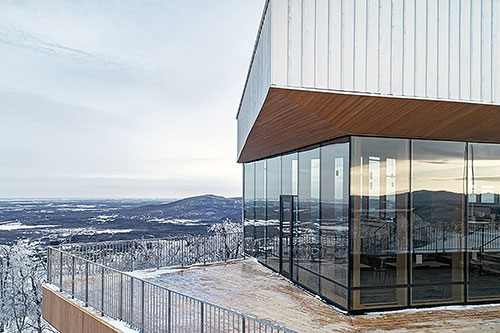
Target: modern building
369, 131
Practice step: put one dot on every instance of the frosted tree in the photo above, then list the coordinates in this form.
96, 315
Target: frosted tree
21, 274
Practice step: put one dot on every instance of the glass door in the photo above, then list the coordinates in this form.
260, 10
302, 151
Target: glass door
287, 219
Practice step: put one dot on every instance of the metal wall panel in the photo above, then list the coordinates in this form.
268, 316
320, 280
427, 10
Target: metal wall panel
322, 38
258, 81
437, 49
496, 53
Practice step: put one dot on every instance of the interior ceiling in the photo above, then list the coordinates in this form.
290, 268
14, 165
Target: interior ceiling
291, 119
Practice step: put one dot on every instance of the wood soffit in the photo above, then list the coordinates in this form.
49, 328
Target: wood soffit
291, 119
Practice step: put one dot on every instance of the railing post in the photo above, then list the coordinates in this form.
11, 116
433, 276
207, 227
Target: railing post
120, 309
243, 324
60, 271
169, 314
142, 306
102, 290
49, 265
204, 253
73, 265
132, 300
86, 283
201, 317
158, 254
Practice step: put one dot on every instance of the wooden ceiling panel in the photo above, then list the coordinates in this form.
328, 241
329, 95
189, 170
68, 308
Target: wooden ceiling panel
291, 119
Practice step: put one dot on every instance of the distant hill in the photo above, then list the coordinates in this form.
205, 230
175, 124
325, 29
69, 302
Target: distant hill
203, 209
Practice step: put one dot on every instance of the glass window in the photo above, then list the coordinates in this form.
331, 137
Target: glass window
438, 238
273, 211
307, 244
484, 221
249, 207
289, 174
379, 190
334, 218
260, 210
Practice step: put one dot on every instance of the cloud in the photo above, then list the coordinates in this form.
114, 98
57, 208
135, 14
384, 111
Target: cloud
11, 36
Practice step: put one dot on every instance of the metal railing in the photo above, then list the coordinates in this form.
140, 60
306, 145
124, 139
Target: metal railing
88, 273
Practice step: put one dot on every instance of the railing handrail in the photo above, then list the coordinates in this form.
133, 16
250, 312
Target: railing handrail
62, 252
180, 237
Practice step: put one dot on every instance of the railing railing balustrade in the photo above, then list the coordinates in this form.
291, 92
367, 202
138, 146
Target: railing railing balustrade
96, 275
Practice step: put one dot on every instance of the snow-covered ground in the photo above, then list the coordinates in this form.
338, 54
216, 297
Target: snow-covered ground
9, 226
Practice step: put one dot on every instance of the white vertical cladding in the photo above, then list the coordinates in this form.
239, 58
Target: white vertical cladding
496, 50
322, 38
432, 48
408, 83
295, 49
385, 34
373, 46
443, 43
397, 37
437, 49
360, 54
420, 48
335, 45
475, 42
309, 43
454, 50
465, 49
348, 21
486, 53
280, 43
258, 82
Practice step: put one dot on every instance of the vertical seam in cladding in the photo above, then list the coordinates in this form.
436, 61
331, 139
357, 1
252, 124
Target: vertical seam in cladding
288, 44
341, 43
459, 49
315, 42
403, 51
391, 60
328, 25
437, 51
302, 67
354, 48
378, 47
449, 44
367, 6
492, 83
470, 50
480, 25
414, 47
426, 45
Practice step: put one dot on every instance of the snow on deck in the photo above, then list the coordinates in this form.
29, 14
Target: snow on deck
248, 287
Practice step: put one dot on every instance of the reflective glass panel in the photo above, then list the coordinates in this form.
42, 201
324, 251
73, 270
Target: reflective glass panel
438, 238
484, 222
379, 192
249, 207
260, 210
334, 219
273, 211
307, 243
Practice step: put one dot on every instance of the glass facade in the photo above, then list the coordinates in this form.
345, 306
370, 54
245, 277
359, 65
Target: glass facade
380, 223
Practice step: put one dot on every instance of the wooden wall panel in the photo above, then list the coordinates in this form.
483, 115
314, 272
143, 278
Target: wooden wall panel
67, 317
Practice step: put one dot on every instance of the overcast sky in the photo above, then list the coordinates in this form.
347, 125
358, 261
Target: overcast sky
122, 98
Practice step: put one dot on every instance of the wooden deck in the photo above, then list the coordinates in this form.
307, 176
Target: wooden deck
251, 288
